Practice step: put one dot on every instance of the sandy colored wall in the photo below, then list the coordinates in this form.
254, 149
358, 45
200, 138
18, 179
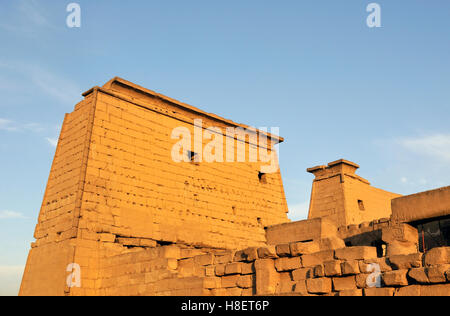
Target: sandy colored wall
134, 188
345, 198
58, 218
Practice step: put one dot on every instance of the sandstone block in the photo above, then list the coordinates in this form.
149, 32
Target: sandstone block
382, 263
235, 291
384, 291
317, 258
401, 232
204, 260
224, 257
288, 264
331, 243
172, 252
356, 292
230, 281
319, 271
247, 268
412, 290
437, 256
285, 287
332, 268
283, 250
301, 248
395, 278
419, 275
233, 268
266, 277
350, 267
344, 283
361, 280
397, 248
267, 252
406, 261
302, 274
356, 253
311, 229
249, 254
220, 269
107, 237
437, 274
435, 290
212, 283
319, 286
300, 288
246, 281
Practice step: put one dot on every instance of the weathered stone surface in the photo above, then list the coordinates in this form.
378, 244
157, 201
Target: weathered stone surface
421, 206
398, 248
300, 288
302, 274
385, 291
302, 248
435, 290
300, 231
249, 254
319, 271
437, 256
356, 292
212, 283
332, 268
283, 250
288, 264
395, 278
230, 281
350, 267
330, 243
437, 274
412, 290
248, 268
382, 263
400, 232
356, 253
319, 286
246, 281
419, 275
267, 252
406, 261
344, 283
267, 277
233, 268
317, 258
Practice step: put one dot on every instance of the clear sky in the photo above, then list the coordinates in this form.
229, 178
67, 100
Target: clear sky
335, 87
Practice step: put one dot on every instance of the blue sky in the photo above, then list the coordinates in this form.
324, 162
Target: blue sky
335, 87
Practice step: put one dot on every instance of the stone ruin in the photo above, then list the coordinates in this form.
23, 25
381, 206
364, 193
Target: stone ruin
120, 217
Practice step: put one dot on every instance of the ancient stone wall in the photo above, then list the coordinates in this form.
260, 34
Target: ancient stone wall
114, 179
345, 198
314, 268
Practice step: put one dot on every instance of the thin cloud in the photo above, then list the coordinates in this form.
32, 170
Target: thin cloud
299, 211
52, 141
13, 126
11, 215
7, 125
435, 146
10, 278
55, 86
26, 17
